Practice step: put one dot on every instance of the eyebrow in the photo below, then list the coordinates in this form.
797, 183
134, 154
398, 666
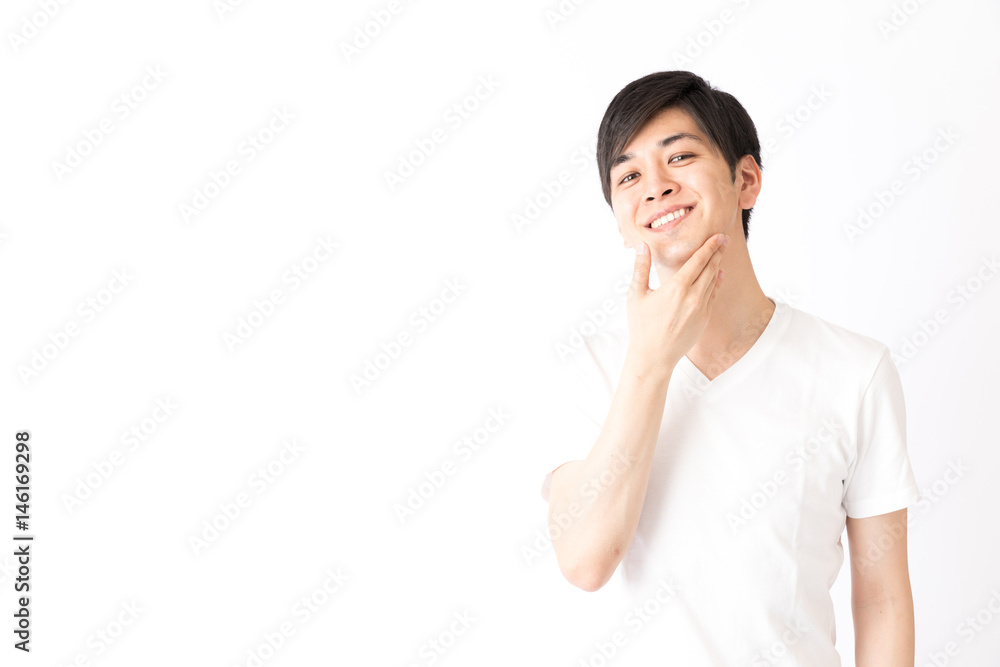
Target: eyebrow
666, 141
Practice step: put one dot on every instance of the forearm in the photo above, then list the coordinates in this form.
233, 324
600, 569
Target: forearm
884, 633
595, 503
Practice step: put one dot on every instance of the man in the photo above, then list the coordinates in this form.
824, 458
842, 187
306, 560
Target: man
732, 436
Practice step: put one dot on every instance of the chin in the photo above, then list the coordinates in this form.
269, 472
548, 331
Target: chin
673, 254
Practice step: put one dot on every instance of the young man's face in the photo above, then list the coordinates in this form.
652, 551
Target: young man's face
685, 173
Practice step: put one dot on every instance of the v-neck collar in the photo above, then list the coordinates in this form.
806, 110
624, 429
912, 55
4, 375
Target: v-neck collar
757, 352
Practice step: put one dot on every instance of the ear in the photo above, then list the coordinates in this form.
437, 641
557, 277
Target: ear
749, 179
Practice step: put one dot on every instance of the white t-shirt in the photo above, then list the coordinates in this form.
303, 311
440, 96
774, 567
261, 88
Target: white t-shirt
739, 540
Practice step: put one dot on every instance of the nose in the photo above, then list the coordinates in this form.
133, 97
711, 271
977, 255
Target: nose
658, 185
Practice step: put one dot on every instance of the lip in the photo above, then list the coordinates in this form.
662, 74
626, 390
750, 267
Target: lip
673, 223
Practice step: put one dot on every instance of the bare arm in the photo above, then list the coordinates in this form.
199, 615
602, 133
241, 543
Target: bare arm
595, 504
881, 598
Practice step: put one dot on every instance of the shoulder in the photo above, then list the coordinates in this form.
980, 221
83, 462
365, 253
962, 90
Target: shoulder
832, 345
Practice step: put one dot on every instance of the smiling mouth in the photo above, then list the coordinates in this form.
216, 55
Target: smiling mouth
669, 218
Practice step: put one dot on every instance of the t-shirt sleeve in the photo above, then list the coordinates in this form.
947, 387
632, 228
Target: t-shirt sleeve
881, 480
580, 400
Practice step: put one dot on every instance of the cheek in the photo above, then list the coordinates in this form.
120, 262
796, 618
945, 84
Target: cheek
622, 223
726, 194
623, 210
723, 191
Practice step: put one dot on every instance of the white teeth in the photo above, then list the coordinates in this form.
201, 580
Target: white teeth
662, 220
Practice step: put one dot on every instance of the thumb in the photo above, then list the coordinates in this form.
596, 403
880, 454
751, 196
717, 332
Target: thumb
640, 275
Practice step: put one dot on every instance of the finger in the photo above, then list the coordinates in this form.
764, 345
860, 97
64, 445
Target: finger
692, 268
704, 286
640, 274
715, 290
710, 270
711, 295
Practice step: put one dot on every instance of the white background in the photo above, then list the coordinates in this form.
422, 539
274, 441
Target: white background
522, 291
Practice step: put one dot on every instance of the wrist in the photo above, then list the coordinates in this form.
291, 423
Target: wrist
648, 366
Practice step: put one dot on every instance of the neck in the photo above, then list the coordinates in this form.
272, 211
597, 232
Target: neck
740, 313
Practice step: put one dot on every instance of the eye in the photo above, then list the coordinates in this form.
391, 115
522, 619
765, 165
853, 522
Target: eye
676, 157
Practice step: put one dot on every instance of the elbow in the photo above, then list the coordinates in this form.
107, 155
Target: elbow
588, 583
589, 575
